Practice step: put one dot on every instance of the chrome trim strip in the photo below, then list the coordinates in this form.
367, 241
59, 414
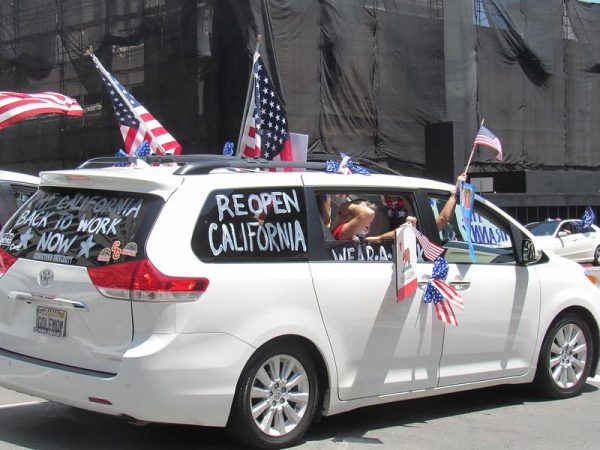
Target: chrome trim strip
47, 299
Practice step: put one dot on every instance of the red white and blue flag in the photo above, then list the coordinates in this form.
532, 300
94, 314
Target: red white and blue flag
136, 123
16, 106
266, 133
441, 294
488, 139
431, 250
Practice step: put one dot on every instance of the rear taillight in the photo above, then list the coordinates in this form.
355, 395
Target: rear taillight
6, 260
141, 281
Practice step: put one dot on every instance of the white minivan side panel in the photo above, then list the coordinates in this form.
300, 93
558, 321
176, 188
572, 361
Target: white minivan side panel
253, 301
564, 285
381, 346
497, 332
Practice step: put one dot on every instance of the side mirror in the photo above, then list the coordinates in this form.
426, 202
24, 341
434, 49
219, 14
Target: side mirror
562, 234
529, 254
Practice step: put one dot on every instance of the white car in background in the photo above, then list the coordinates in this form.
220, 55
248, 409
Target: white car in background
568, 239
15, 189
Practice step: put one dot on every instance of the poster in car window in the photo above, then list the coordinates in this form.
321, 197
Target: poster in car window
406, 257
467, 202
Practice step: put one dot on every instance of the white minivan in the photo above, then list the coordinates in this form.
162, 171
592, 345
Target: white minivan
210, 291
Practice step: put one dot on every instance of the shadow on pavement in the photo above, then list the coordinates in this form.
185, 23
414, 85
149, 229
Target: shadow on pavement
53, 426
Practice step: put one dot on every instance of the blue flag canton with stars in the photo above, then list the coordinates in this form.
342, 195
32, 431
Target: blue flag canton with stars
269, 113
440, 272
124, 115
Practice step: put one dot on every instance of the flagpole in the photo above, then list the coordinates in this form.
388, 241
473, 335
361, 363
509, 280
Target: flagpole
124, 98
472, 150
238, 151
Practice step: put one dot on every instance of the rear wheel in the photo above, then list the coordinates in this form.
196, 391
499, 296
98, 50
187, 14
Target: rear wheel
276, 398
596, 261
565, 358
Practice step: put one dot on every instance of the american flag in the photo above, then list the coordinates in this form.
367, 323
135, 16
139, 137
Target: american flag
431, 250
487, 138
266, 129
136, 123
16, 106
441, 294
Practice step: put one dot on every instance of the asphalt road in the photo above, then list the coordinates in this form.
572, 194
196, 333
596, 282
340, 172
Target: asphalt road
507, 417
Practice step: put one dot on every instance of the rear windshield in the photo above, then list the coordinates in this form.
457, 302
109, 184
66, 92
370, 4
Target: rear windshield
81, 227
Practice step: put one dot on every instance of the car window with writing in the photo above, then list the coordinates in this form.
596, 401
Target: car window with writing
81, 227
252, 224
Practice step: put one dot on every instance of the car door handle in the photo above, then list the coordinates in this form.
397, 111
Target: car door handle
49, 300
460, 285
423, 282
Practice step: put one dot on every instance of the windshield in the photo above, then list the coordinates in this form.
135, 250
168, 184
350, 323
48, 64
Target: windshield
543, 228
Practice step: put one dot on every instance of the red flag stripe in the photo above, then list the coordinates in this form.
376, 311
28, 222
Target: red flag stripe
15, 106
449, 293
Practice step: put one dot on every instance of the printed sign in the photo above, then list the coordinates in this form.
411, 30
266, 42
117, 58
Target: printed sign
406, 258
467, 202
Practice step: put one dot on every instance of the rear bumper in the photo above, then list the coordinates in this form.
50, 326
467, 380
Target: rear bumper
187, 379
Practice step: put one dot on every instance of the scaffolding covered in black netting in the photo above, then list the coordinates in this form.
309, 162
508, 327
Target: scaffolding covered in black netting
364, 77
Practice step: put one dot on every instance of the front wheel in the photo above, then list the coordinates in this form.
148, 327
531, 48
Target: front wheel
565, 358
276, 398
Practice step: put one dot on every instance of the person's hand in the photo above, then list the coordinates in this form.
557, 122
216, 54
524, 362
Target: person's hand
411, 220
462, 177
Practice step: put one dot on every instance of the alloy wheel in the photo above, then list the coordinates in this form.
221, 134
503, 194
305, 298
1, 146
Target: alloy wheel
568, 354
279, 395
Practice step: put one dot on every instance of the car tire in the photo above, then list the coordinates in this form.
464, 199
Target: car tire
596, 260
565, 358
276, 398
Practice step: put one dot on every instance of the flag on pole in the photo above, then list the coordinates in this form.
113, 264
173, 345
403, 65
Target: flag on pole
16, 106
266, 133
136, 123
488, 139
587, 220
431, 250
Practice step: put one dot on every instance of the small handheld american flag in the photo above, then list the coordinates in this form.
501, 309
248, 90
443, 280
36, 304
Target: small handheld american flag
488, 139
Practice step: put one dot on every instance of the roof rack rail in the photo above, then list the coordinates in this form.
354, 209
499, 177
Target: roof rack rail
205, 163
203, 167
108, 161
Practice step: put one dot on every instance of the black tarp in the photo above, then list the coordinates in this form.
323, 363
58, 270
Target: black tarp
365, 77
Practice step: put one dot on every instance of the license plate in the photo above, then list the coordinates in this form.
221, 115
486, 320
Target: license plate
51, 321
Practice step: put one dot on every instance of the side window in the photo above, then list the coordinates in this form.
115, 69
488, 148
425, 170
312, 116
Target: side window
360, 226
252, 224
568, 229
22, 194
490, 235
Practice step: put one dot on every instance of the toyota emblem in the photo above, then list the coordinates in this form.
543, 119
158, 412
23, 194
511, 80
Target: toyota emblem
45, 278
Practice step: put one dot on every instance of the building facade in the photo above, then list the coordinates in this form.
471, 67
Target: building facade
402, 82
